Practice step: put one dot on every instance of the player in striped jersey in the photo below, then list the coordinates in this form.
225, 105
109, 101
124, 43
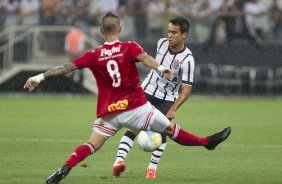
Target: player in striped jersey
164, 94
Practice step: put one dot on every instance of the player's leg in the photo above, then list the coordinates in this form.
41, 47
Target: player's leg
185, 138
79, 154
135, 120
125, 145
102, 130
163, 106
180, 136
155, 159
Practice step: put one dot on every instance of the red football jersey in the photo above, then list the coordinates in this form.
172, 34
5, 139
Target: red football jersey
113, 66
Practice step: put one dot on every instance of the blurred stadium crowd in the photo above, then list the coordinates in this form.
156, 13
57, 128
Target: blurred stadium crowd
251, 64
217, 21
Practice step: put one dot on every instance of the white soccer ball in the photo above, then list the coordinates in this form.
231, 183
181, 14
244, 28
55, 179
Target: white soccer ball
149, 140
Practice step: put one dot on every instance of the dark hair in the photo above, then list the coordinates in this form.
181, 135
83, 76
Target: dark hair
110, 23
182, 23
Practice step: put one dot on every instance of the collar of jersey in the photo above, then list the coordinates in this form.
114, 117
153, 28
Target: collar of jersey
173, 53
111, 43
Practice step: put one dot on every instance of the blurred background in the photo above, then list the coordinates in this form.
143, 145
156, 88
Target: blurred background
237, 44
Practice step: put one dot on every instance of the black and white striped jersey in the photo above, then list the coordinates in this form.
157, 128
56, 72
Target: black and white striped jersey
181, 63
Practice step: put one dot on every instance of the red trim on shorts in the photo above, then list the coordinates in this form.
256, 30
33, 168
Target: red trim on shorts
105, 129
145, 126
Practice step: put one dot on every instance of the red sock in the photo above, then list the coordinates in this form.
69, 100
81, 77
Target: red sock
187, 139
79, 154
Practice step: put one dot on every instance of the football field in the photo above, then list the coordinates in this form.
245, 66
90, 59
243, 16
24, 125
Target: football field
39, 132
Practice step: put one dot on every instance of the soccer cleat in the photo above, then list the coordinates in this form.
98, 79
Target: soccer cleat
58, 175
151, 173
217, 138
118, 169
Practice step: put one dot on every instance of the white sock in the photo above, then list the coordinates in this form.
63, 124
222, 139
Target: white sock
125, 145
156, 156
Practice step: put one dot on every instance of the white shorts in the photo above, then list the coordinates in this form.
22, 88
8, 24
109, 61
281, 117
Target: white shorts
145, 117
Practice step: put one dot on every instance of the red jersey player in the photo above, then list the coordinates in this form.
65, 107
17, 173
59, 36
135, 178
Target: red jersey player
121, 102
113, 65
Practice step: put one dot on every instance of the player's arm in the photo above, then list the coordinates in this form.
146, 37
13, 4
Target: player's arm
186, 90
33, 82
150, 62
60, 70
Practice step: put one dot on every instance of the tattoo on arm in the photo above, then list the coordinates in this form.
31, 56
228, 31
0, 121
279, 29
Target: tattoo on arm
60, 70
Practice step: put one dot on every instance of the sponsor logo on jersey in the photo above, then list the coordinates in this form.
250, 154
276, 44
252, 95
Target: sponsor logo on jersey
176, 64
120, 105
110, 52
174, 80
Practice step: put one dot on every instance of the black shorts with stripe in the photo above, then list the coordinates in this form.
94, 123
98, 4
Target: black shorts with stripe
161, 105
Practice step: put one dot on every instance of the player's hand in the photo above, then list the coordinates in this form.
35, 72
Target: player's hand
170, 115
166, 71
168, 74
33, 82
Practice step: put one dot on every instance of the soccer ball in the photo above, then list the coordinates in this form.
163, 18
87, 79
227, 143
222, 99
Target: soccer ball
149, 140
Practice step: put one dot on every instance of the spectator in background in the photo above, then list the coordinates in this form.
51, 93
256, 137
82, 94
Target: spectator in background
138, 8
219, 14
185, 8
29, 12
220, 35
64, 12
156, 11
276, 19
203, 20
75, 45
11, 11
237, 27
104, 7
215, 5
93, 8
254, 10
47, 18
2, 15
48, 9
166, 16
81, 14
178, 8
126, 21
222, 23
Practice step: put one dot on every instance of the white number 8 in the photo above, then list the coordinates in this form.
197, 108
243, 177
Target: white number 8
113, 70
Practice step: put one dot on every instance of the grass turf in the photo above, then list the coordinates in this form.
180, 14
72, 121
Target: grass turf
38, 132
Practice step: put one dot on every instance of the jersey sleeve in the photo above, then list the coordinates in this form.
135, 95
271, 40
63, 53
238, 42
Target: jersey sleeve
188, 67
136, 50
161, 42
84, 60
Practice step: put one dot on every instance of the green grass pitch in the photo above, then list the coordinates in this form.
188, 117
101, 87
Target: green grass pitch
38, 133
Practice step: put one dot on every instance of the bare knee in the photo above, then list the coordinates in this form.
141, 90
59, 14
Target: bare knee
169, 130
97, 140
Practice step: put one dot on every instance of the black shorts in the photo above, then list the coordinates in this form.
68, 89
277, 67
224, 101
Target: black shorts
161, 105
